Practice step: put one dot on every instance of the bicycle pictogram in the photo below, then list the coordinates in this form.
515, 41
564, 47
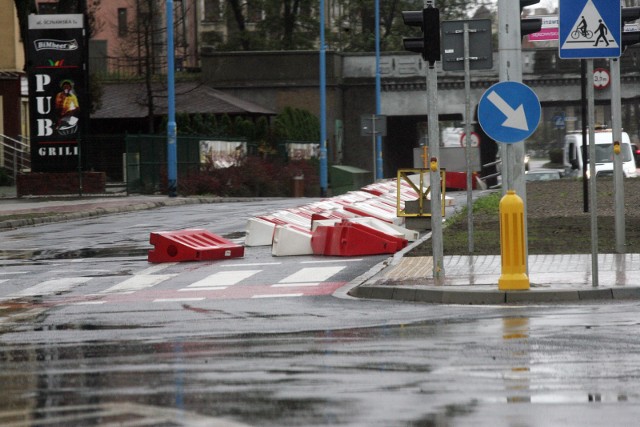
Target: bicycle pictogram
581, 30
587, 34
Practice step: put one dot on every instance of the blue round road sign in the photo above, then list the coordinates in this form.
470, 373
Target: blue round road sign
509, 112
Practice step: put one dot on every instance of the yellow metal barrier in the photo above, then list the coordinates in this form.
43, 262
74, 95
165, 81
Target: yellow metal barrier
423, 210
512, 246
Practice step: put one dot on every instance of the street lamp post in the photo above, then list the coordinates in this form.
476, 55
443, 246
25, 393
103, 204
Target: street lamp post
172, 170
377, 173
323, 108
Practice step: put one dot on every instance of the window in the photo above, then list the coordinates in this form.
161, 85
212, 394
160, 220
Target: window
254, 11
212, 10
123, 26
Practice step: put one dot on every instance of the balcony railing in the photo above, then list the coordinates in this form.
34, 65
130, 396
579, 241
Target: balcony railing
129, 68
15, 155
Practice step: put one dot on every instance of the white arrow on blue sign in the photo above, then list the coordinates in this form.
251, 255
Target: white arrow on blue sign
589, 29
509, 112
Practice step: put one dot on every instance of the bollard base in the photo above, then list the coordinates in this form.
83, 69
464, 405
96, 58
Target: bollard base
513, 282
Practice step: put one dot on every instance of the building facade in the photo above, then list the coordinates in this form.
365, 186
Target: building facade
13, 101
129, 37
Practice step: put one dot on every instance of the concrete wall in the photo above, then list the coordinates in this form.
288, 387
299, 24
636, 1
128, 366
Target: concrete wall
280, 79
277, 80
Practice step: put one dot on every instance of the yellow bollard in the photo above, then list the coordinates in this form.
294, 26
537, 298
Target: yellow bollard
514, 265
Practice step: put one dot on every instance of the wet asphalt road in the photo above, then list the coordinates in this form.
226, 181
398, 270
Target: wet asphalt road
69, 358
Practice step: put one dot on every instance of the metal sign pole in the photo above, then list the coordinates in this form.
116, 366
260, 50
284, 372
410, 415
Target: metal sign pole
172, 132
618, 183
592, 180
434, 175
373, 146
472, 51
467, 133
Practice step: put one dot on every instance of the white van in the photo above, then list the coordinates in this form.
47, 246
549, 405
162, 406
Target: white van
572, 154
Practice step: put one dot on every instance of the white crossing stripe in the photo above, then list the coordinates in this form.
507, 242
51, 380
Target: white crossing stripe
331, 261
223, 278
8, 273
85, 271
294, 285
156, 268
252, 264
312, 274
52, 286
138, 282
87, 303
177, 299
277, 296
4, 280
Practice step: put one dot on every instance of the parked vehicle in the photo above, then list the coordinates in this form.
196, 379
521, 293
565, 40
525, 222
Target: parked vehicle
636, 154
572, 154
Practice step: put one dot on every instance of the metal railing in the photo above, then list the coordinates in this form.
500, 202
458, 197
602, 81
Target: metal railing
497, 163
15, 155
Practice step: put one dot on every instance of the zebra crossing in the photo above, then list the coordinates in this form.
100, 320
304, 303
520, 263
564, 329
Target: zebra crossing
172, 282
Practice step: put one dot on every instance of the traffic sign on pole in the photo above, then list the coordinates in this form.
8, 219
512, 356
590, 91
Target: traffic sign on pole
480, 45
590, 29
509, 112
474, 142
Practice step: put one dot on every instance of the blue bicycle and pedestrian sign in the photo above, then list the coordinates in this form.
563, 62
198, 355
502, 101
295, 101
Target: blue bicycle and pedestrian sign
589, 29
509, 112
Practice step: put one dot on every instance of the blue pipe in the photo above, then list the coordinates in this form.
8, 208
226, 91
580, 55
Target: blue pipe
323, 108
378, 173
172, 169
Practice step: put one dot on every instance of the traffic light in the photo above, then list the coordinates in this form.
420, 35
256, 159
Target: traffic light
529, 25
630, 14
429, 44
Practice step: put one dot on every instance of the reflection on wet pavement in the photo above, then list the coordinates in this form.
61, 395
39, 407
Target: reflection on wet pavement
121, 414
62, 253
438, 372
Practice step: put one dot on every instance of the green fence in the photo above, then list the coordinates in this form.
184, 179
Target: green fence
146, 157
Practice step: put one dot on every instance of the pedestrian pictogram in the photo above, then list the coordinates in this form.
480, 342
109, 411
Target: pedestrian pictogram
589, 29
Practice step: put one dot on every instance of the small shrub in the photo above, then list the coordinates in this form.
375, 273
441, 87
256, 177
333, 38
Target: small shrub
252, 177
489, 204
200, 184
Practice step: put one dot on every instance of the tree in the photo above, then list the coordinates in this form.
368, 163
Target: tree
290, 24
356, 27
269, 24
143, 50
293, 24
235, 7
297, 125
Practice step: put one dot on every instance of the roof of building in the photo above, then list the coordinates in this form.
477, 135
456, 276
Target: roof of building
128, 100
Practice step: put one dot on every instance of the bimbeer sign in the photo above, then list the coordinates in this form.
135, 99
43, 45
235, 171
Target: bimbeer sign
56, 82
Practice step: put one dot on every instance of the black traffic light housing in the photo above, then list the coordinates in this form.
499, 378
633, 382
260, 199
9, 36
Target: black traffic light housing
529, 25
429, 44
629, 14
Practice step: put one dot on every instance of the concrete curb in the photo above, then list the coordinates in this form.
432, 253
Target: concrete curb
110, 210
71, 216
493, 296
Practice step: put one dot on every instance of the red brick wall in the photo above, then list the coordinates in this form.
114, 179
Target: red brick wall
50, 184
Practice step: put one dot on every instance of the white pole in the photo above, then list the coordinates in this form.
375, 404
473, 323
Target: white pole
593, 203
618, 182
467, 133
